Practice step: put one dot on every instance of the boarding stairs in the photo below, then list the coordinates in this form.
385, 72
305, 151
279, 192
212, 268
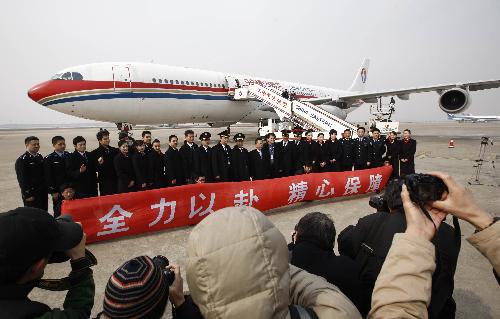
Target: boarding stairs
303, 114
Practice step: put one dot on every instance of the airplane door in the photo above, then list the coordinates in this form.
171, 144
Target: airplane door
232, 82
122, 77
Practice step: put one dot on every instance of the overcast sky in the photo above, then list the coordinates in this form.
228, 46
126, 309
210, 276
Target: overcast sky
410, 43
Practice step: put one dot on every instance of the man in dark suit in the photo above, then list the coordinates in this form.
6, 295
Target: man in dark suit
333, 152
54, 166
259, 165
146, 138
287, 148
310, 148
321, 153
347, 146
187, 155
241, 170
156, 167
299, 157
104, 156
203, 160
141, 165
173, 163
80, 168
30, 175
363, 150
378, 147
273, 152
221, 159
124, 169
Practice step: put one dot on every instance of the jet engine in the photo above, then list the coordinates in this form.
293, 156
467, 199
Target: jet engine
454, 100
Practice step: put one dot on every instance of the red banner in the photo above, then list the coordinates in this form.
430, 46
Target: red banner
114, 216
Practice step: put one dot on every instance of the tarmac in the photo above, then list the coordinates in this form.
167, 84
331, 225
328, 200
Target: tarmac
476, 290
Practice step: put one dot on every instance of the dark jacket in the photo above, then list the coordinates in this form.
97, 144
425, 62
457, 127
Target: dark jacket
274, 155
55, 171
348, 147
259, 166
447, 243
299, 154
30, 174
321, 154
78, 303
392, 155
240, 165
408, 150
140, 163
173, 167
106, 175
85, 183
287, 160
363, 151
310, 151
378, 152
341, 271
187, 155
156, 170
125, 173
221, 163
203, 163
333, 151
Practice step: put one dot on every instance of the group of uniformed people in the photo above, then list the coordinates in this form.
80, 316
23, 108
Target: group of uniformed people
141, 165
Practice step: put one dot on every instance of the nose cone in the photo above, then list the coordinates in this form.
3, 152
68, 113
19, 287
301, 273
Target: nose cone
39, 91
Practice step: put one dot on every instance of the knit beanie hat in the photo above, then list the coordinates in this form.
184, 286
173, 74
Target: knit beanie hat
136, 290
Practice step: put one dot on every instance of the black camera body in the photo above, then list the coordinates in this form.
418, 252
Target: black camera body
162, 262
424, 188
379, 203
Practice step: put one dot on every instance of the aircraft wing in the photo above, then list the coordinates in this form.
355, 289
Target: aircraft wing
403, 93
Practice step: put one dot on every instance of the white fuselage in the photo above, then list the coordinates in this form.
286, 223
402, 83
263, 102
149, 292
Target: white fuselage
145, 93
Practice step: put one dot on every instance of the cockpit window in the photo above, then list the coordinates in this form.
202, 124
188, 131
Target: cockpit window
77, 76
68, 76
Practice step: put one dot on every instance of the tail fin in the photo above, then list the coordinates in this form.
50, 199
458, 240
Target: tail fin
359, 83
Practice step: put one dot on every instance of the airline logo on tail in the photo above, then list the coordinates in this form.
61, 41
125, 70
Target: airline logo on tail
363, 75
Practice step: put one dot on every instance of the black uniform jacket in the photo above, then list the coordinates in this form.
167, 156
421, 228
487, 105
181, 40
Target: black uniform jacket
30, 174
203, 163
156, 170
287, 160
348, 147
379, 149
55, 171
187, 155
333, 151
173, 166
221, 163
125, 172
106, 175
275, 158
259, 166
85, 183
363, 150
140, 162
240, 165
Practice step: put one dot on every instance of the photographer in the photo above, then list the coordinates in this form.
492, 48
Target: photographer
368, 243
29, 239
411, 258
312, 250
141, 287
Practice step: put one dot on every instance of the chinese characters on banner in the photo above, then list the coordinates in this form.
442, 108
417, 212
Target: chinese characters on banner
120, 215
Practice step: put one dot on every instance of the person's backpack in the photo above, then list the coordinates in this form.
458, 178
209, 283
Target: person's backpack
299, 312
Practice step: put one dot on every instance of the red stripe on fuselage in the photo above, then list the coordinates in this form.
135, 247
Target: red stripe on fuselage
54, 87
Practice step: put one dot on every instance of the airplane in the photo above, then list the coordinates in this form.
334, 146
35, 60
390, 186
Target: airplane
463, 117
147, 93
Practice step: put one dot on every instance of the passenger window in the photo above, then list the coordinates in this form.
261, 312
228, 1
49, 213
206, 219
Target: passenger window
171, 81
77, 76
192, 83
182, 82
160, 80
154, 80
206, 84
56, 77
197, 84
165, 81
176, 81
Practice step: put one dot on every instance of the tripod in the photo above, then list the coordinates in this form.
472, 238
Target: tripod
485, 141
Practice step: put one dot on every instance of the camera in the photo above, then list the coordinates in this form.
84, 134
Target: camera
379, 203
424, 188
162, 262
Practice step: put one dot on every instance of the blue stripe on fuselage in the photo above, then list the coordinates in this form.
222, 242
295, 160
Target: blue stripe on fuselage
138, 95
